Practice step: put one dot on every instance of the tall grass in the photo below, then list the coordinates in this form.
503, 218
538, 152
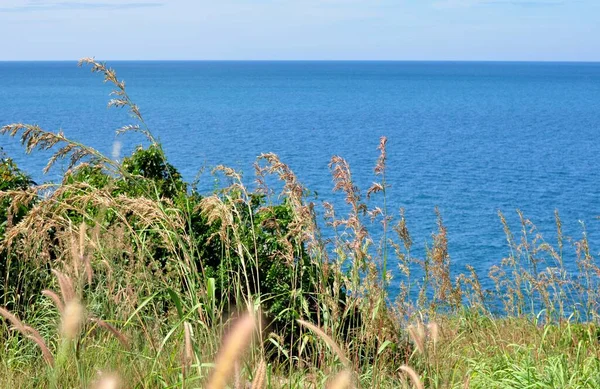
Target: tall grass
128, 277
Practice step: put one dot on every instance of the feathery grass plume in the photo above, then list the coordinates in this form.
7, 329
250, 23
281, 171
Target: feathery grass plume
33, 332
343, 380
359, 241
214, 209
78, 252
302, 229
402, 230
33, 137
375, 188
30, 333
108, 381
55, 299
232, 349
17, 198
380, 167
477, 296
417, 335
260, 375
434, 332
342, 177
334, 346
72, 319
74, 247
440, 265
559, 237
414, 377
121, 99
46, 354
16, 323
293, 191
110, 328
66, 286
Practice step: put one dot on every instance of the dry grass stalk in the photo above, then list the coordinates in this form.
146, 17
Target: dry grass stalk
343, 380
342, 177
414, 377
260, 375
233, 347
75, 257
188, 352
81, 258
336, 349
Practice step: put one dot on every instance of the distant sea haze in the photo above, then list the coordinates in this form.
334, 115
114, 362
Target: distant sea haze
471, 138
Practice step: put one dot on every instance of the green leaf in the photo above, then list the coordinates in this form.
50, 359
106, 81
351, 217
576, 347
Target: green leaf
177, 301
383, 346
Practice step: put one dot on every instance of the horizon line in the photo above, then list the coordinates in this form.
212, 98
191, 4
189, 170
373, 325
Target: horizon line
315, 60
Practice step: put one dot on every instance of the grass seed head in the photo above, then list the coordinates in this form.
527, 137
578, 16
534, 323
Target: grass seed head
110, 381
343, 380
72, 319
233, 347
414, 377
259, 376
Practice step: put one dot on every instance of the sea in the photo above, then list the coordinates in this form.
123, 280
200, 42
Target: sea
470, 138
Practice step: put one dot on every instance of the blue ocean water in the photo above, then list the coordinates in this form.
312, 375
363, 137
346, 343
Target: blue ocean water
471, 138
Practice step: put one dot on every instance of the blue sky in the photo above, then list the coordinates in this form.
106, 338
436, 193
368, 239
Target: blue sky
566, 30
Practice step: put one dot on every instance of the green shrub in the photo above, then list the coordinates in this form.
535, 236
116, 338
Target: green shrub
15, 286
